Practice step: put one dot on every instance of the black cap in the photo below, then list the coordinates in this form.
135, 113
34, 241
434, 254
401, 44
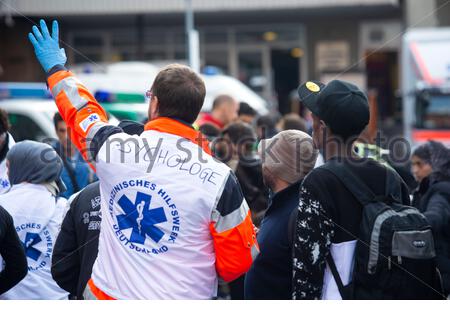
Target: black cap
341, 105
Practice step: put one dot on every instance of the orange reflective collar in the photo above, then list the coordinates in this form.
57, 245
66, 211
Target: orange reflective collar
168, 125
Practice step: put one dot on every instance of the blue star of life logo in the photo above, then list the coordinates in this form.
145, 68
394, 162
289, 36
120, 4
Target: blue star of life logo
140, 218
93, 117
4, 183
31, 239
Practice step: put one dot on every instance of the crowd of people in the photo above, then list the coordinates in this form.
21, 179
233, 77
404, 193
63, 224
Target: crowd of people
225, 204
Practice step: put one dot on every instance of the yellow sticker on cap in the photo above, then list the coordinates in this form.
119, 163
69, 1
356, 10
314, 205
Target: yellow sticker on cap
312, 86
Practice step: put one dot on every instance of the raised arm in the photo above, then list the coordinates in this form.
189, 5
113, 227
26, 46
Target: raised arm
86, 119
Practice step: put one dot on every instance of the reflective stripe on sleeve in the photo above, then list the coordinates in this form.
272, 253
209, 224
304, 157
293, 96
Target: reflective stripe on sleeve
70, 88
255, 251
231, 220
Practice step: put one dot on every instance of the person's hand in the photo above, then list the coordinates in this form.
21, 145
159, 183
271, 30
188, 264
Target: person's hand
46, 46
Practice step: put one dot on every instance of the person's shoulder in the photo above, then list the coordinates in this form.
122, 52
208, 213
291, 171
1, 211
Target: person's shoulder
84, 196
4, 216
442, 187
92, 188
317, 176
5, 221
369, 167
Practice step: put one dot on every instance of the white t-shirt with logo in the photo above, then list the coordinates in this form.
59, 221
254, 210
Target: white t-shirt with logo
155, 240
37, 218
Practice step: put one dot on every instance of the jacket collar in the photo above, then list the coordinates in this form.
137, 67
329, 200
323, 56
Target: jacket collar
282, 197
423, 186
178, 128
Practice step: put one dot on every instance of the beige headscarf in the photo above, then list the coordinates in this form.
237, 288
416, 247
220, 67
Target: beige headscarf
290, 155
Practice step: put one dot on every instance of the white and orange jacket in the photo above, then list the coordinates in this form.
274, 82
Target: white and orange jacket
172, 216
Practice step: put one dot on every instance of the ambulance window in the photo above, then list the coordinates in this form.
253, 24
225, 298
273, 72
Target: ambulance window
433, 111
24, 128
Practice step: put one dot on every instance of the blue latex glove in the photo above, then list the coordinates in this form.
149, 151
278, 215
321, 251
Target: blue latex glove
46, 46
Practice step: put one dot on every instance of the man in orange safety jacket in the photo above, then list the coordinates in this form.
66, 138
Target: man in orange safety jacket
173, 218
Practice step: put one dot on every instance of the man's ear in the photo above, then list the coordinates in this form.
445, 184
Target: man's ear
154, 107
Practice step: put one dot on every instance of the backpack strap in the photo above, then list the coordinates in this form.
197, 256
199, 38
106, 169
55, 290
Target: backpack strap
291, 226
336, 276
393, 190
353, 183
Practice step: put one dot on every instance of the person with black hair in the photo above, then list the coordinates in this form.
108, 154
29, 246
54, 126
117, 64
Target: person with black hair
246, 163
210, 131
6, 142
242, 157
246, 113
266, 126
76, 173
329, 216
293, 121
431, 169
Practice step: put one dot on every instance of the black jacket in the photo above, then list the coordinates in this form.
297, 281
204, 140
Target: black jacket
433, 200
250, 177
76, 247
12, 252
270, 276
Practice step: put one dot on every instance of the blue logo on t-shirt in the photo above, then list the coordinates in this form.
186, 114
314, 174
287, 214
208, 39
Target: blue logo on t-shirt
140, 218
146, 218
31, 239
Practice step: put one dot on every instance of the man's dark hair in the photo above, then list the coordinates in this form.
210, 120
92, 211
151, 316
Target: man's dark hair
241, 133
209, 130
4, 122
245, 109
293, 121
180, 92
423, 152
268, 121
348, 137
220, 99
57, 119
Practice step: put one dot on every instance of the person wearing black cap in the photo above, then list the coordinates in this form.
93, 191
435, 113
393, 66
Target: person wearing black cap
76, 247
329, 215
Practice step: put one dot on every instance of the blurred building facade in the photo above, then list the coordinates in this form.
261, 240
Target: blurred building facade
271, 46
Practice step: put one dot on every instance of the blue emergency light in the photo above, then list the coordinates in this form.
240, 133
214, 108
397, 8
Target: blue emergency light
211, 70
24, 90
118, 97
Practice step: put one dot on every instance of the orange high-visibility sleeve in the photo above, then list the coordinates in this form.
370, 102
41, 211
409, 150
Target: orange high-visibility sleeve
235, 248
77, 107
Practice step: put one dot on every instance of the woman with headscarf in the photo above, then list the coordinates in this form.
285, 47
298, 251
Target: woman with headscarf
34, 170
431, 169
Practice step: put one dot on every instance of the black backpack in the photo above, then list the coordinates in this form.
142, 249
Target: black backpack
394, 254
